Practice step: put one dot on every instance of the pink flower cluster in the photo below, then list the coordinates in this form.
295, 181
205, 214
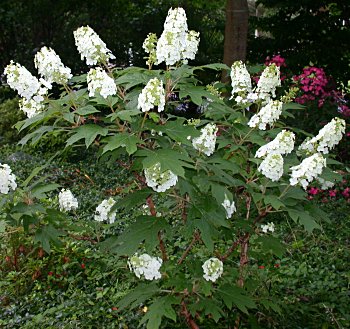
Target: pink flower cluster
315, 86
341, 191
277, 59
313, 82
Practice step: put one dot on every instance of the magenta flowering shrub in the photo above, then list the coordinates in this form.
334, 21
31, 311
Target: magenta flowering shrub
316, 86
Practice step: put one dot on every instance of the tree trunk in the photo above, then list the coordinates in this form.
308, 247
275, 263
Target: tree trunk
236, 32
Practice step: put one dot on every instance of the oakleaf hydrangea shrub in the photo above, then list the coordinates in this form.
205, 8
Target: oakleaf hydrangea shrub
216, 179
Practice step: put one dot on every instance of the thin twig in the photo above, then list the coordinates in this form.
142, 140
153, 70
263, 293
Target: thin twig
196, 237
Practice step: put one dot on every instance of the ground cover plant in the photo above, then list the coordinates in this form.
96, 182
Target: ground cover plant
210, 178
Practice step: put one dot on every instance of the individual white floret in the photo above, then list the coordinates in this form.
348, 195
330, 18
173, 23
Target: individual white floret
272, 167
240, 78
21, 80
153, 94
213, 269
67, 201
268, 227
7, 179
205, 143
103, 211
268, 82
145, 265
282, 144
229, 206
99, 82
91, 47
328, 137
50, 66
308, 170
267, 115
159, 180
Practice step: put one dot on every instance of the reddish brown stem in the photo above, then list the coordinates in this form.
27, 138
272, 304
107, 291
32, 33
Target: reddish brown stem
188, 316
196, 237
243, 259
233, 247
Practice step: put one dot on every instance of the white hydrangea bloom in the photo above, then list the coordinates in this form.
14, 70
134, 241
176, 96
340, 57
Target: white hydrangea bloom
308, 170
267, 115
176, 43
67, 201
268, 227
103, 211
282, 144
268, 82
192, 43
240, 78
50, 66
328, 137
21, 80
206, 141
30, 107
229, 206
91, 47
158, 180
145, 265
213, 269
325, 185
100, 82
150, 46
153, 94
7, 179
272, 167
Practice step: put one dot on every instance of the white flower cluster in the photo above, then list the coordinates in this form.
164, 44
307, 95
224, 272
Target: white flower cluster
229, 206
206, 141
176, 43
158, 180
282, 144
150, 46
267, 115
21, 80
27, 86
103, 211
50, 66
329, 136
91, 47
145, 265
308, 170
242, 85
153, 94
272, 167
268, 227
325, 185
100, 82
67, 201
213, 269
268, 82
240, 78
7, 179
192, 43
31, 107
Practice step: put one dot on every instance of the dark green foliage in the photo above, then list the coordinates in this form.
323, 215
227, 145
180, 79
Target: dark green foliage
305, 32
10, 115
123, 25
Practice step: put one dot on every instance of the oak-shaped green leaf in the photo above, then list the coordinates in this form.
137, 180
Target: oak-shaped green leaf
161, 307
122, 140
87, 132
